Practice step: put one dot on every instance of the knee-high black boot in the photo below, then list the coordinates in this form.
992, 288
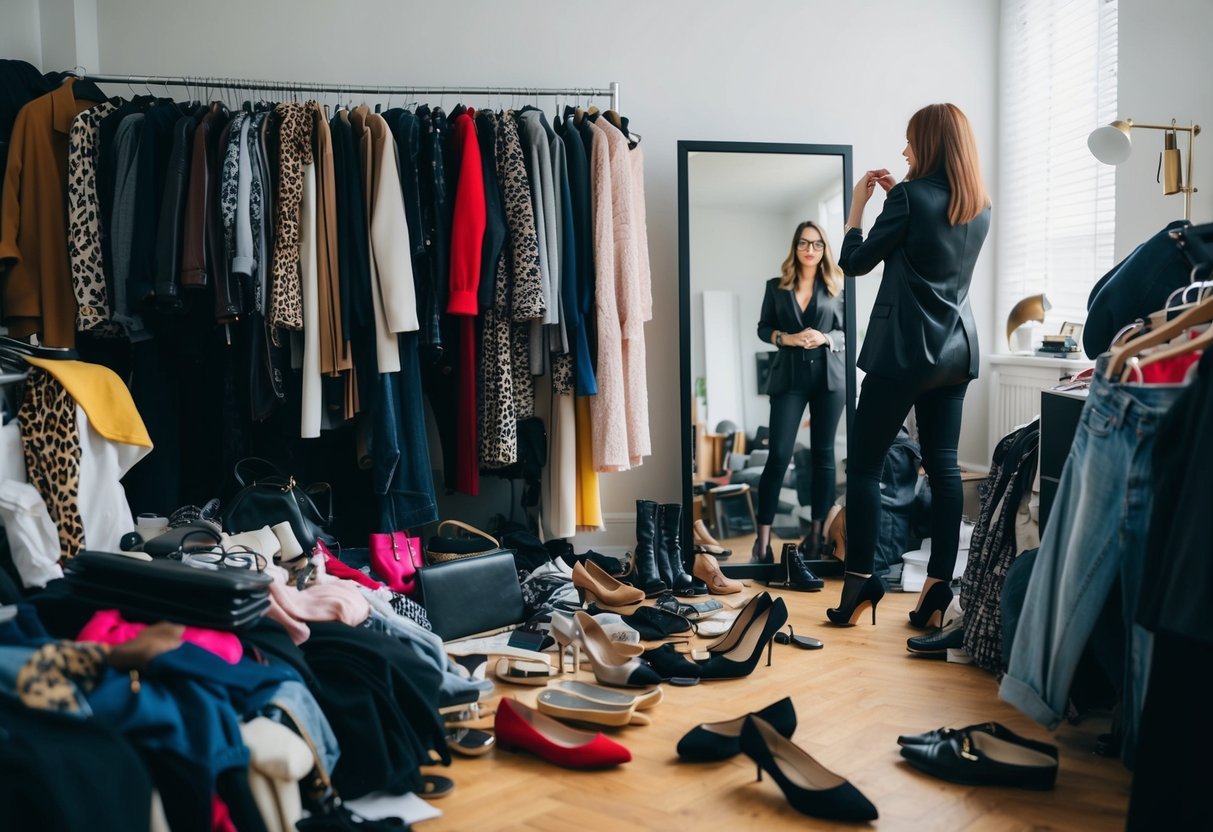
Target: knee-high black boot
669, 553
645, 560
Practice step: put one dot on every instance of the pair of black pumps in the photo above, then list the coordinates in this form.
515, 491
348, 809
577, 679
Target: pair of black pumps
765, 737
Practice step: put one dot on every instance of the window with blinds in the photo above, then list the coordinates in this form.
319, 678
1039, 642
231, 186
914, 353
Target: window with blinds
1056, 205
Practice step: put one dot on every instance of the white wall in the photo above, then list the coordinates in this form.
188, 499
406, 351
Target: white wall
20, 31
735, 251
1164, 74
781, 70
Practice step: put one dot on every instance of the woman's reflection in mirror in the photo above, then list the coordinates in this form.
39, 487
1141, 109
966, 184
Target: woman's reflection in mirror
802, 316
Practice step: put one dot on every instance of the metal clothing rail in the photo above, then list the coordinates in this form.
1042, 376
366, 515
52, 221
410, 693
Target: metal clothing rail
324, 87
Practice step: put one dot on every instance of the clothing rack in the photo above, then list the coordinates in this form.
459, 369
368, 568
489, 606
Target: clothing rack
324, 87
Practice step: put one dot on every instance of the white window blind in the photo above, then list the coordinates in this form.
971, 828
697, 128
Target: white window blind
1056, 208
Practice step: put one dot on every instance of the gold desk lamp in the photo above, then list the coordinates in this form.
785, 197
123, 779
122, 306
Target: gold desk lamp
1112, 145
1032, 308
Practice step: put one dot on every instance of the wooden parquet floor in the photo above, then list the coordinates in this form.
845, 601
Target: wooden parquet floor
853, 698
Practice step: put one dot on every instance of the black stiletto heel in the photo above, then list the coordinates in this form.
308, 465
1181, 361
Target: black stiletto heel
756, 606
808, 786
744, 655
868, 594
935, 602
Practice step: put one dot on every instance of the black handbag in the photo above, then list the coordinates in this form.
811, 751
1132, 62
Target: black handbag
272, 498
472, 595
213, 596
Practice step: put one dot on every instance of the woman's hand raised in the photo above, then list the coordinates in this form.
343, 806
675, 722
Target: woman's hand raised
883, 178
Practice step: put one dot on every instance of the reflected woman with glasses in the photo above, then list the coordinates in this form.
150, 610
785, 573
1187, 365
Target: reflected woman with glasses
802, 315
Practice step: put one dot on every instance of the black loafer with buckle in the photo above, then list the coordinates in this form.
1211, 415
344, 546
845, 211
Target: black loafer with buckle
980, 759
995, 729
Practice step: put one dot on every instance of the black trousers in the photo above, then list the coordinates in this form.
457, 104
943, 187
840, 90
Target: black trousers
883, 406
810, 389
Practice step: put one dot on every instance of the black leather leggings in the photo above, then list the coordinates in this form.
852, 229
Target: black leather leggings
825, 408
883, 406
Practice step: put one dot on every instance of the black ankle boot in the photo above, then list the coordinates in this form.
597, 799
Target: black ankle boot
645, 562
669, 553
793, 574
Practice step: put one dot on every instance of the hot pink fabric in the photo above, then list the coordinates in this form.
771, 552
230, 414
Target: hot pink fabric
109, 627
221, 818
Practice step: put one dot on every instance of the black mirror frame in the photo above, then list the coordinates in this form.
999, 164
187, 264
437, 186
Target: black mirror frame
685, 148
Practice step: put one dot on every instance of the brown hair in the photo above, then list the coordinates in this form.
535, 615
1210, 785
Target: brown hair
827, 269
940, 134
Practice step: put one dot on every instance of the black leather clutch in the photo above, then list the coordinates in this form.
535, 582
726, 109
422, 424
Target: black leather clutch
215, 597
472, 595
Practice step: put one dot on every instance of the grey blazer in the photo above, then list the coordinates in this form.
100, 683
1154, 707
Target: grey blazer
921, 327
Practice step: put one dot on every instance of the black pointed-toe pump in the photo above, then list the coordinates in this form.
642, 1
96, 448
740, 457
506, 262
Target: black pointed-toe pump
858, 594
743, 657
932, 606
810, 788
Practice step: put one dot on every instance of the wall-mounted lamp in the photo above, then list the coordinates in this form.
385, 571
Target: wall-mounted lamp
1111, 145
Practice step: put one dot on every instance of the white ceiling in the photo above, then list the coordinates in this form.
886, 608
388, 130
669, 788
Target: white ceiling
761, 181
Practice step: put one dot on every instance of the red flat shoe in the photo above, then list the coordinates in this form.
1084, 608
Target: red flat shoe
520, 728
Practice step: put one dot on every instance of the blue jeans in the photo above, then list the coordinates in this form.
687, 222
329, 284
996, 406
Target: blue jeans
400, 447
1096, 532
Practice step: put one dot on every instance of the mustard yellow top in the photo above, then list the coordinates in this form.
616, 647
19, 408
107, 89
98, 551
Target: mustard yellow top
104, 397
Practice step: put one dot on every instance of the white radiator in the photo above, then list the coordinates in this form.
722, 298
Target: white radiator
1015, 396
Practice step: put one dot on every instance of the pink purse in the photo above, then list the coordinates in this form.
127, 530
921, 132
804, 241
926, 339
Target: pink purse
395, 559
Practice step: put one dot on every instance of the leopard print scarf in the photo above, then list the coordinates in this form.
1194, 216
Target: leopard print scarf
50, 440
295, 151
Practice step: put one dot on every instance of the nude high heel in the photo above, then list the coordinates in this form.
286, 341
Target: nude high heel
611, 667
594, 584
707, 570
567, 635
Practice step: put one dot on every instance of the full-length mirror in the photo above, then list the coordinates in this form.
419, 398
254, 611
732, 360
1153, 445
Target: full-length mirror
768, 371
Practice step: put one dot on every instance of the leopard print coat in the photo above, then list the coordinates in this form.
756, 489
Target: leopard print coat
295, 151
84, 223
50, 441
496, 420
508, 389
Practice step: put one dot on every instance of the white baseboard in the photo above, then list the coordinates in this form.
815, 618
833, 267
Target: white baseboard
617, 538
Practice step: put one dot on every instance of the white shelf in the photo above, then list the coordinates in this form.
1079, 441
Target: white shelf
1022, 360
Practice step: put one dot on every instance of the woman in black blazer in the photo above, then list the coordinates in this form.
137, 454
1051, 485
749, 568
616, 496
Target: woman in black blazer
920, 349
802, 315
